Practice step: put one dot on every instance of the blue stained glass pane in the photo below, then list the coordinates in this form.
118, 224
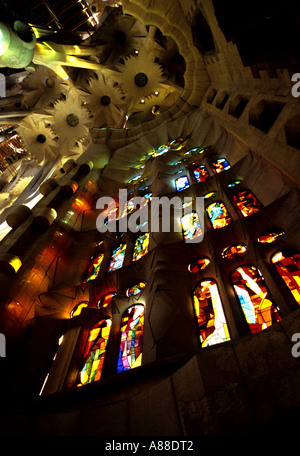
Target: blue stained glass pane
182, 183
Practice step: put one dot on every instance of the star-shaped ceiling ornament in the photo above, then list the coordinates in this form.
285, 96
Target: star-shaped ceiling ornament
119, 36
38, 139
140, 77
69, 120
105, 101
42, 87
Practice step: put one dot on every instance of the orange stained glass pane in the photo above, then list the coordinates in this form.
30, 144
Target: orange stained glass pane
270, 236
94, 267
287, 264
246, 203
218, 215
77, 309
234, 251
105, 300
201, 173
94, 353
200, 263
256, 301
213, 328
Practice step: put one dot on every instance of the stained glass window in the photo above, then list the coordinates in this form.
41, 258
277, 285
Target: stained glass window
141, 246
287, 263
131, 341
218, 215
220, 165
94, 353
246, 202
117, 258
234, 251
105, 300
181, 183
78, 308
135, 289
177, 143
234, 183
160, 150
209, 195
201, 173
94, 267
270, 236
191, 226
213, 328
111, 211
255, 299
197, 265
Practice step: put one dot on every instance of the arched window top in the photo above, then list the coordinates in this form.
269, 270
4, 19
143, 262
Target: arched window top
212, 325
270, 236
234, 251
218, 215
135, 289
117, 258
141, 246
199, 264
220, 165
105, 300
201, 173
94, 268
78, 308
94, 353
131, 338
284, 254
287, 263
181, 183
246, 203
256, 301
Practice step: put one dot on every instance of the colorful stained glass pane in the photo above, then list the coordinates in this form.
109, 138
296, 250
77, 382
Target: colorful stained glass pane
135, 289
117, 258
160, 150
220, 165
94, 353
131, 340
255, 299
111, 211
218, 215
181, 183
177, 143
191, 226
94, 267
200, 263
213, 328
77, 309
141, 246
270, 236
209, 195
234, 183
201, 173
246, 202
105, 300
234, 251
287, 264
